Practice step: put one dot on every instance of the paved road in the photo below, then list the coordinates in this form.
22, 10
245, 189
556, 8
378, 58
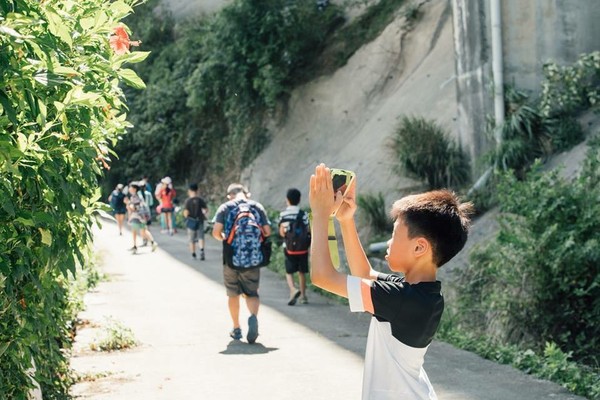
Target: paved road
177, 309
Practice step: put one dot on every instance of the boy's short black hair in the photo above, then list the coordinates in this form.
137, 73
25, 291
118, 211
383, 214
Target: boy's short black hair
293, 195
439, 217
193, 187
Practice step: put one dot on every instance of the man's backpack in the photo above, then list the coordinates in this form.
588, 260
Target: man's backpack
297, 236
245, 246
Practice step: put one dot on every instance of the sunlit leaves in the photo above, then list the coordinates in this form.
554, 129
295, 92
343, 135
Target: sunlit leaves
61, 106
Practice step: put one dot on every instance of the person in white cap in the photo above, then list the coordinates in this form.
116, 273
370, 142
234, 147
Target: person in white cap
166, 196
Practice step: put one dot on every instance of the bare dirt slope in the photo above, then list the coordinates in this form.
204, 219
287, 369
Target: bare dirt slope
346, 119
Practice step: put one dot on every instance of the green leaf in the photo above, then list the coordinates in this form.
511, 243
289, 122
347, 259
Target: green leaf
131, 79
8, 108
57, 26
46, 236
3, 347
5, 30
132, 58
120, 9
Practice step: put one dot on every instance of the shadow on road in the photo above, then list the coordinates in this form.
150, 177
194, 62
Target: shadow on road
238, 347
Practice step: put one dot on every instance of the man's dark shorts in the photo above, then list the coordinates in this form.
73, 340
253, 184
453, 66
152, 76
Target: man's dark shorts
241, 281
296, 263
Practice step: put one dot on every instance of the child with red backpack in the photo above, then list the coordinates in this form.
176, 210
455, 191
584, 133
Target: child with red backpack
294, 228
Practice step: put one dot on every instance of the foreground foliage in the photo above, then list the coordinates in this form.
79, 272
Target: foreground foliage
61, 109
539, 280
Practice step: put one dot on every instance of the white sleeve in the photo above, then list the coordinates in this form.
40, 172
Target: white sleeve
355, 294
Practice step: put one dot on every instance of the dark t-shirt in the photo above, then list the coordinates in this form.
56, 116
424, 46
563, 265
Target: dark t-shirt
195, 205
405, 317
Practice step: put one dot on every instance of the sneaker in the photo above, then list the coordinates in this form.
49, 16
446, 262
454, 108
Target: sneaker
133, 250
194, 256
294, 298
303, 300
154, 246
236, 334
202, 255
252, 329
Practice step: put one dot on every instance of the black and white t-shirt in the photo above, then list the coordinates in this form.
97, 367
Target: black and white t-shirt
405, 318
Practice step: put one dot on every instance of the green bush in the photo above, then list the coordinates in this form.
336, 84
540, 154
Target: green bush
549, 362
113, 337
212, 84
538, 280
61, 109
423, 151
377, 215
569, 89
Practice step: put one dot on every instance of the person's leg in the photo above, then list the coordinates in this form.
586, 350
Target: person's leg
253, 304
148, 235
120, 218
169, 222
234, 310
302, 271
134, 233
232, 287
249, 282
302, 282
290, 269
290, 281
201, 241
192, 241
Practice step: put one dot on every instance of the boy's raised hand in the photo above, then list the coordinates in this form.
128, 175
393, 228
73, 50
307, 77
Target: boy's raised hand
322, 200
348, 206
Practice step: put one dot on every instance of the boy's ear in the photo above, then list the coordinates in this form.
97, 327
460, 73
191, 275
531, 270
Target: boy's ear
422, 246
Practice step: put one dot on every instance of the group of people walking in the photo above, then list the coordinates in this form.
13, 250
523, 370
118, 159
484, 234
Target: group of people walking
429, 230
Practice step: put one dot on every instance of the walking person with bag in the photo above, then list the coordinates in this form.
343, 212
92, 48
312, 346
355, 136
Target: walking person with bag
243, 227
294, 228
117, 203
139, 214
195, 211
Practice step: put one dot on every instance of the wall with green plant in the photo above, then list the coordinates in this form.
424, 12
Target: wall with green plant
61, 110
212, 84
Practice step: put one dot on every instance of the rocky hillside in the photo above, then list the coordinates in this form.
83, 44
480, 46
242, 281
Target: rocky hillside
346, 119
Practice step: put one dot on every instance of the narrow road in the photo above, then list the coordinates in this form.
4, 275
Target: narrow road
176, 308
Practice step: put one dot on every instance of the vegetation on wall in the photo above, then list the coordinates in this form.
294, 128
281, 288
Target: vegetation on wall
61, 109
212, 84
424, 151
537, 284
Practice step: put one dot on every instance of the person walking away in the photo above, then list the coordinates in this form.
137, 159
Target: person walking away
117, 203
242, 225
166, 195
429, 229
195, 211
294, 228
139, 213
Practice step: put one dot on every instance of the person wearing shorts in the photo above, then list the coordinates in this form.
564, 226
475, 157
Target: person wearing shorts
294, 263
194, 212
240, 282
136, 220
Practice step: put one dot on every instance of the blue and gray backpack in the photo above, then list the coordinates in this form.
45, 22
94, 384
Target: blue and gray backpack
245, 246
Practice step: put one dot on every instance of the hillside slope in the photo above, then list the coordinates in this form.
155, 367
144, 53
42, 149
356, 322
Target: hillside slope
346, 119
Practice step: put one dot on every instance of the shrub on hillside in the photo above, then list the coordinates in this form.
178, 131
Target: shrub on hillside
539, 280
423, 151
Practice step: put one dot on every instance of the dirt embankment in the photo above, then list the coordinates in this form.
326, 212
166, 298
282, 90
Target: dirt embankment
346, 119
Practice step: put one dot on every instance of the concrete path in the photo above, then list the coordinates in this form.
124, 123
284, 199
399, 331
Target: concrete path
177, 309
